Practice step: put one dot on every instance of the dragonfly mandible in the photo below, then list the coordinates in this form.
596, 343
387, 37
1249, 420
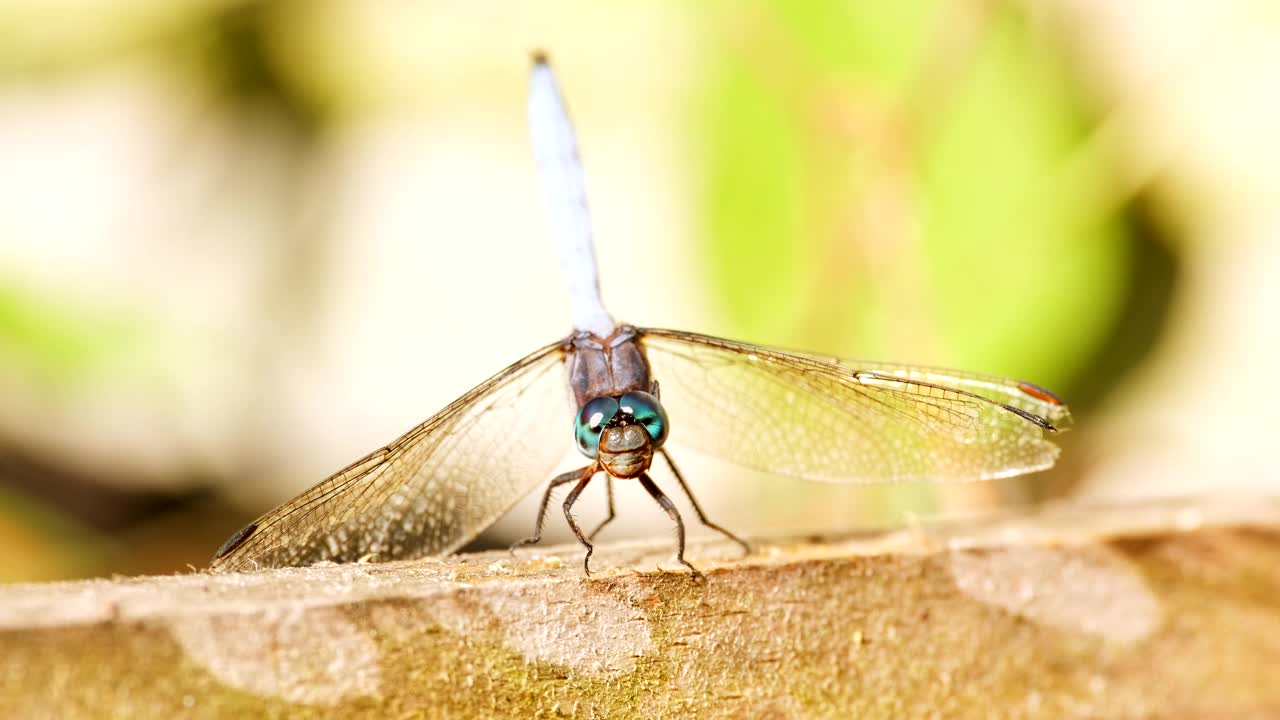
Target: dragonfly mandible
634, 391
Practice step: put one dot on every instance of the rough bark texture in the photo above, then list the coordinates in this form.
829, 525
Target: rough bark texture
1166, 610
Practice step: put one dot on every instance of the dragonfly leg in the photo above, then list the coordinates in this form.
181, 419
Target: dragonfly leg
569, 500
702, 517
674, 514
608, 479
559, 480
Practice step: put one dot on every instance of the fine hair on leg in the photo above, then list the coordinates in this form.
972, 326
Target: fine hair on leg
674, 514
702, 516
557, 481
569, 500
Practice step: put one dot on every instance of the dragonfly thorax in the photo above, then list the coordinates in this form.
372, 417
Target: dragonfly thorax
598, 366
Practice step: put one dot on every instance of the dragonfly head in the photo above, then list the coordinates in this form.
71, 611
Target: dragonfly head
621, 432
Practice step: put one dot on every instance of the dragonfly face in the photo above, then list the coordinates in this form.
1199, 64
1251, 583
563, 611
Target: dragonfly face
622, 433
625, 451
830, 420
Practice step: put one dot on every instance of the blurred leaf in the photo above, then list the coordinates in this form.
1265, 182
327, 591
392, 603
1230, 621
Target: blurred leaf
57, 342
60, 35
751, 206
1026, 276
907, 182
887, 181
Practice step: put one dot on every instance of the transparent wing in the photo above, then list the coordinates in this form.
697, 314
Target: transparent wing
431, 490
849, 422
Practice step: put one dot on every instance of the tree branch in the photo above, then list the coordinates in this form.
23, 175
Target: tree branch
1121, 611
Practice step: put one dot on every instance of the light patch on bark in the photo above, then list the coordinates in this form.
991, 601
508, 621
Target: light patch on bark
1084, 589
314, 656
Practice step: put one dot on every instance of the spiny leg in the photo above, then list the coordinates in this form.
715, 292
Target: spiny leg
608, 479
702, 517
674, 514
559, 480
569, 500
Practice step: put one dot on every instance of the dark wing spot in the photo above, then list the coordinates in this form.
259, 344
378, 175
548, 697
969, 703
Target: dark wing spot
235, 541
1039, 393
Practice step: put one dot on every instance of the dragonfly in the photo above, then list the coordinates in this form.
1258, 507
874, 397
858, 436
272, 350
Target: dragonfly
633, 393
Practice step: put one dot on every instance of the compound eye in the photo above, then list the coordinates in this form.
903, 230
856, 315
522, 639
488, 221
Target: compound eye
592, 417
648, 412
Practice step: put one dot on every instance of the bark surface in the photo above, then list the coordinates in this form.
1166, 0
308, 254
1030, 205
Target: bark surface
1159, 609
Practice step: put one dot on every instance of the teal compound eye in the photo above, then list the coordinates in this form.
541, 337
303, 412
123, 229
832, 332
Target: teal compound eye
592, 417
648, 412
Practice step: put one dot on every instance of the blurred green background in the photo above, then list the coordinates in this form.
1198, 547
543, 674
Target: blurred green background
242, 244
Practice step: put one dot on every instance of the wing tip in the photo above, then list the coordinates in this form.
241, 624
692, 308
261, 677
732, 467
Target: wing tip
234, 542
1056, 423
